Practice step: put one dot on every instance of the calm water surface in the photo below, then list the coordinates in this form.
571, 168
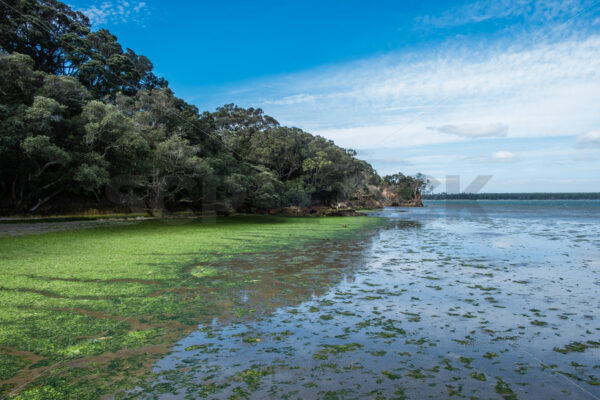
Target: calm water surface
488, 299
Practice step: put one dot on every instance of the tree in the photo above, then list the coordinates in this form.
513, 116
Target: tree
84, 121
103, 67
41, 29
408, 188
175, 170
175, 174
59, 42
281, 149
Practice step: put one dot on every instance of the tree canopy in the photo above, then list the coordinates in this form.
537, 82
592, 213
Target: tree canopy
83, 121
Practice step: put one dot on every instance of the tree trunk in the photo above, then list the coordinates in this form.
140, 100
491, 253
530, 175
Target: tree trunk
45, 199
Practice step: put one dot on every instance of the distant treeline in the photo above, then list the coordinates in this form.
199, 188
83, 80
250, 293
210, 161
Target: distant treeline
85, 123
513, 196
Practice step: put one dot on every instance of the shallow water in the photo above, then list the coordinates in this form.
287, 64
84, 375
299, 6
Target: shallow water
458, 299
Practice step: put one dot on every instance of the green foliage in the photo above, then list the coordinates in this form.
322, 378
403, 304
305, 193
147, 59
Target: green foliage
59, 42
18, 79
407, 187
296, 194
80, 117
44, 114
90, 177
41, 147
66, 90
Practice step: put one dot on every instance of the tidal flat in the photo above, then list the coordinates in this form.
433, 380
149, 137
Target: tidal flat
492, 300
85, 313
497, 302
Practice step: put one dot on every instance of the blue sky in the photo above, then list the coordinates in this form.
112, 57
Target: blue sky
490, 87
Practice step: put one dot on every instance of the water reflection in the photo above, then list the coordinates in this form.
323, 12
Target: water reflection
261, 283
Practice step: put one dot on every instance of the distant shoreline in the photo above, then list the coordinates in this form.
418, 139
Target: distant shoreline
514, 196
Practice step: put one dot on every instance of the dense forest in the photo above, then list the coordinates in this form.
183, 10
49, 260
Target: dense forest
87, 124
513, 196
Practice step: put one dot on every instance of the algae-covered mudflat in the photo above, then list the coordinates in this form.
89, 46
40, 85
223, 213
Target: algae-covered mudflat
474, 300
86, 312
456, 300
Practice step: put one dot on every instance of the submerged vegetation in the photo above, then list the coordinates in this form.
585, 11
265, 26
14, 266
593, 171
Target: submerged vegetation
386, 332
85, 313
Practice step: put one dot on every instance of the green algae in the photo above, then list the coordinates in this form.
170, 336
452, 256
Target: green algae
252, 376
490, 355
334, 349
11, 365
482, 330
92, 293
204, 272
504, 390
391, 375
478, 376
577, 347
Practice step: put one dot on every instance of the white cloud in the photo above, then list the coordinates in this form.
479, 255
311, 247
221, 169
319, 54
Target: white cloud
589, 138
550, 89
449, 110
141, 5
541, 164
374, 136
115, 12
485, 10
473, 130
504, 156
294, 99
390, 163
